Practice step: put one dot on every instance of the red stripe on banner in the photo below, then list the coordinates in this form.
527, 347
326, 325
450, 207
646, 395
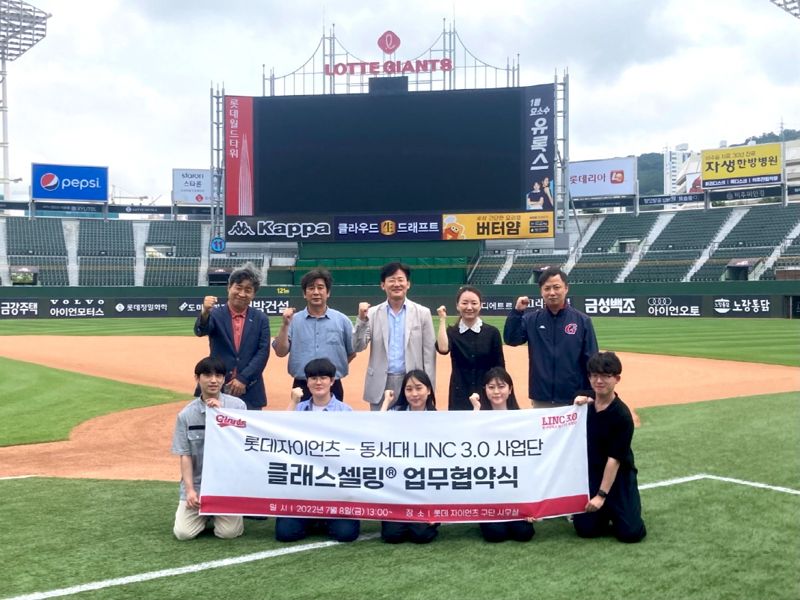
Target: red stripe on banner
239, 199
376, 511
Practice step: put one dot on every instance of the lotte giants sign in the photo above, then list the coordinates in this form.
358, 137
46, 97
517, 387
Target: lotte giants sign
389, 43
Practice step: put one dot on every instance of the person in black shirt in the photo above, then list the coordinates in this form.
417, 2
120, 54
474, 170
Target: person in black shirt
614, 505
474, 347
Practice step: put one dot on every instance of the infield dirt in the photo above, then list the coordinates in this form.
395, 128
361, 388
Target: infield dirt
134, 444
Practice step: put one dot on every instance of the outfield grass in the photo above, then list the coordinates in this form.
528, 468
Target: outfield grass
47, 403
706, 539
774, 341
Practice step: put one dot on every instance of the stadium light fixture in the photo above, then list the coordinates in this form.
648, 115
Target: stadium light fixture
22, 26
790, 6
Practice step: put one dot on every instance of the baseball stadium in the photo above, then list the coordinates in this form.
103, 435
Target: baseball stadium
464, 175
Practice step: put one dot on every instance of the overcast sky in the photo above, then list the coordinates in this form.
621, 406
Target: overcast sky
126, 84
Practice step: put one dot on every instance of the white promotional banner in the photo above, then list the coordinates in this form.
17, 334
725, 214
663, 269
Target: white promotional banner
396, 466
191, 186
596, 178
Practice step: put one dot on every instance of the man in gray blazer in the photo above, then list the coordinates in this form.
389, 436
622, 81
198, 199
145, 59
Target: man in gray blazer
399, 333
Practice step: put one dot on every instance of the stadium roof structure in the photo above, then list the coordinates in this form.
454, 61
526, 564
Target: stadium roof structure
790, 6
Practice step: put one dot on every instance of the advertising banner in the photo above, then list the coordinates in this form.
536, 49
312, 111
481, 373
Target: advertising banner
388, 228
674, 306
130, 209
285, 228
67, 207
597, 178
742, 165
774, 191
396, 466
742, 306
191, 186
69, 182
497, 226
21, 308
539, 113
670, 199
239, 197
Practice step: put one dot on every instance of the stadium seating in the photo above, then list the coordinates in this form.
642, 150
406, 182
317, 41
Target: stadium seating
598, 268
485, 272
715, 267
105, 238
527, 265
691, 229
52, 269
216, 262
169, 271
762, 226
184, 236
37, 237
666, 265
619, 227
105, 270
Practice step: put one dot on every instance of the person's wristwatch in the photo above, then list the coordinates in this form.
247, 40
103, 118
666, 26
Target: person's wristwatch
602, 493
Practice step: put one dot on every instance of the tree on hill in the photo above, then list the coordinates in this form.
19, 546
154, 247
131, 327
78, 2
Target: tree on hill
766, 138
651, 173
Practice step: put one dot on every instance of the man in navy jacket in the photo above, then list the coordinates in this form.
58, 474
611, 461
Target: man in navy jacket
239, 335
560, 342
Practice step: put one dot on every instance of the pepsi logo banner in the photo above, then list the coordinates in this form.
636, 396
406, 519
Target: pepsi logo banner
69, 182
396, 466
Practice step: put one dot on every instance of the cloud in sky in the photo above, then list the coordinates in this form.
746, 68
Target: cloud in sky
126, 84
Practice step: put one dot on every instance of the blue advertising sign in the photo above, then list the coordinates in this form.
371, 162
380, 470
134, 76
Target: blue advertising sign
69, 182
388, 228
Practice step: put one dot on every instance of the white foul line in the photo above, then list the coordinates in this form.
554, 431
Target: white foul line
226, 562
204, 566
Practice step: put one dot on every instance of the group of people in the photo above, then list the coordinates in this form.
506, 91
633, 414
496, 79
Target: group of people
565, 367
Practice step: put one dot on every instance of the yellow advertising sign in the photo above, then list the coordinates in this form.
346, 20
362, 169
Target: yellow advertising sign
742, 165
497, 226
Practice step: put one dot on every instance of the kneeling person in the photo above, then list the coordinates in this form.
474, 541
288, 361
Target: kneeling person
188, 441
320, 375
614, 506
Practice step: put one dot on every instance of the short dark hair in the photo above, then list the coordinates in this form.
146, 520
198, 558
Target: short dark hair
401, 403
468, 288
552, 272
313, 275
393, 267
320, 367
247, 272
604, 363
503, 375
210, 365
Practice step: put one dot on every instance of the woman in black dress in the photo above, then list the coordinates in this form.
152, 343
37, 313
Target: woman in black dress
474, 347
498, 394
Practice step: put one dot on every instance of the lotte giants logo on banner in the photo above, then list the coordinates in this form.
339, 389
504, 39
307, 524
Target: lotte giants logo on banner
389, 42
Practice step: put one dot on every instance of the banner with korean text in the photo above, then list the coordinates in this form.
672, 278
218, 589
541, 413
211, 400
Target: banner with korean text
497, 226
396, 466
742, 165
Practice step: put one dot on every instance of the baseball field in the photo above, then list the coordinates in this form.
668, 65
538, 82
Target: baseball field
90, 489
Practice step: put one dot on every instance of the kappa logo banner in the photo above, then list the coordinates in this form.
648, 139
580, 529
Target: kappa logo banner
488, 466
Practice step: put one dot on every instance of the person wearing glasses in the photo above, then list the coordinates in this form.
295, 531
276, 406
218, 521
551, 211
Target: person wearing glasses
614, 505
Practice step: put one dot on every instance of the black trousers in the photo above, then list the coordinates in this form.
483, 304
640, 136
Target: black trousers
519, 531
291, 529
393, 532
621, 514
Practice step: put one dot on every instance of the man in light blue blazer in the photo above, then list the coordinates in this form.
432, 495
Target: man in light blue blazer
238, 334
399, 333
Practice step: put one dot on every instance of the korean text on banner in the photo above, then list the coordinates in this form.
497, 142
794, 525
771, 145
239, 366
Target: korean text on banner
397, 466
